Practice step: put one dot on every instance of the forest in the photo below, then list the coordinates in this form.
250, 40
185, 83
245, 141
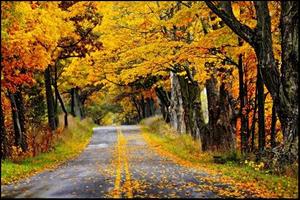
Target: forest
225, 73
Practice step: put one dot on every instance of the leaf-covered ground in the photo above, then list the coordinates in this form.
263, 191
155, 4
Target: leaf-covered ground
183, 150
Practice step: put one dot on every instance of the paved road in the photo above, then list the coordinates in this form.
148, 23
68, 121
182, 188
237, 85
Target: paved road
116, 163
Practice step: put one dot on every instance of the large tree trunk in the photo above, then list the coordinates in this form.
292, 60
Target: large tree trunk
213, 109
20, 139
288, 110
50, 100
224, 123
221, 135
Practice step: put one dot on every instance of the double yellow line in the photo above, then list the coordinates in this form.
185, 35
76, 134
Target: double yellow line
122, 161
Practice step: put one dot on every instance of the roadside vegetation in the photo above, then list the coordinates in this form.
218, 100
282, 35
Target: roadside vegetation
235, 169
68, 144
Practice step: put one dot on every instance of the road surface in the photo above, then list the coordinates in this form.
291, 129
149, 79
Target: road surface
117, 163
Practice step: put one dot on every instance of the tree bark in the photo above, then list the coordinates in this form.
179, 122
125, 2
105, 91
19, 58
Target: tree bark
143, 107
193, 116
244, 138
213, 109
288, 110
54, 83
77, 109
224, 121
164, 103
273, 127
253, 123
134, 100
20, 140
2, 125
2, 130
176, 106
62, 106
261, 113
72, 91
220, 114
21, 111
50, 99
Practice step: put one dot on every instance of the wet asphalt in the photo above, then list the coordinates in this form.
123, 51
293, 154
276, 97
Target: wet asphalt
94, 173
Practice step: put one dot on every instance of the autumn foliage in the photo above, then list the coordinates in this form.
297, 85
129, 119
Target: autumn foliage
120, 62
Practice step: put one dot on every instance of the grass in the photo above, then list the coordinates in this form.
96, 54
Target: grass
183, 149
72, 141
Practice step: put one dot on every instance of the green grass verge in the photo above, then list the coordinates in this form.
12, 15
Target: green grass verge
184, 147
72, 142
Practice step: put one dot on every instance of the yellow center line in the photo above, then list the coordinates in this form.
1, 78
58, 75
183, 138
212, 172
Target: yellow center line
118, 171
122, 161
126, 166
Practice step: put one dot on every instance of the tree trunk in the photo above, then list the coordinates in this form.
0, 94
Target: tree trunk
143, 107
2, 125
164, 103
148, 107
21, 111
54, 83
226, 133
20, 140
176, 106
73, 101
253, 123
134, 100
190, 91
76, 106
3, 133
244, 139
50, 100
261, 113
220, 114
213, 109
151, 106
288, 110
58, 97
62, 106
273, 127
